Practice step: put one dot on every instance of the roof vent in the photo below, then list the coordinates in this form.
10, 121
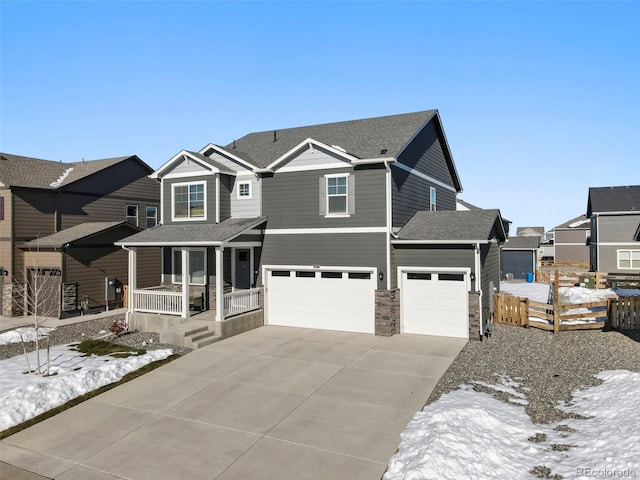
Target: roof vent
234, 143
275, 136
383, 151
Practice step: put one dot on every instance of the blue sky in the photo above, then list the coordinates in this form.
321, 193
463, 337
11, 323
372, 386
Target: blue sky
539, 100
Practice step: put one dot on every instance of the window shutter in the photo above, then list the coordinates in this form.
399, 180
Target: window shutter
352, 194
322, 197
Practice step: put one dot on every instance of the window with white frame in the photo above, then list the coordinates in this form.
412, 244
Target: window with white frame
132, 214
337, 192
197, 266
152, 216
244, 189
189, 200
432, 199
628, 259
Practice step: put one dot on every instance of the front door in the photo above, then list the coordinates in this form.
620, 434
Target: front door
243, 269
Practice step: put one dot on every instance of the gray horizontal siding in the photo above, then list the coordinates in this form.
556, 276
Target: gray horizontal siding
246, 207
211, 198
225, 196
608, 259
410, 193
425, 154
345, 249
571, 254
490, 264
571, 236
619, 228
290, 199
432, 256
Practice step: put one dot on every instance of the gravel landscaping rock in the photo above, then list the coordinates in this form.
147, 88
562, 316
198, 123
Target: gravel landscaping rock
551, 366
91, 329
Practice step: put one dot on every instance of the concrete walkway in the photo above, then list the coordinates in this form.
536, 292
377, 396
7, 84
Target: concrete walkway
271, 403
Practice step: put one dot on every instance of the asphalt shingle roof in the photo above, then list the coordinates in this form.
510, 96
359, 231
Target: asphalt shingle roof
19, 171
579, 222
71, 234
365, 138
522, 243
522, 230
472, 225
205, 234
614, 199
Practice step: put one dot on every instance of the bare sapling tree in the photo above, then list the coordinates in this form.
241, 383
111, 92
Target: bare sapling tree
40, 298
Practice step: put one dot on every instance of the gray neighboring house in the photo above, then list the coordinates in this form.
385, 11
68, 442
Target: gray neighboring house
520, 256
572, 242
614, 213
333, 221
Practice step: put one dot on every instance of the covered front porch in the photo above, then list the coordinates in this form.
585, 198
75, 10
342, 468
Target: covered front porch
209, 274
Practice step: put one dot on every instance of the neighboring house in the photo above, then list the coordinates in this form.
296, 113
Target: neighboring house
348, 226
520, 256
463, 206
614, 213
572, 242
60, 220
530, 232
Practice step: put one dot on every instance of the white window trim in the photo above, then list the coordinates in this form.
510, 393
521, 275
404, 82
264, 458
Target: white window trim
433, 194
245, 197
178, 281
326, 196
126, 213
631, 252
173, 203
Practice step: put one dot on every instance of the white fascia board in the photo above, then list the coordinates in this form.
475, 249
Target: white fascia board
170, 244
624, 212
438, 242
226, 153
531, 249
177, 157
264, 170
618, 244
368, 161
308, 231
302, 146
412, 171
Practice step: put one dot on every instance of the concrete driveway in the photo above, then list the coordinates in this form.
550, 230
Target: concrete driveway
272, 403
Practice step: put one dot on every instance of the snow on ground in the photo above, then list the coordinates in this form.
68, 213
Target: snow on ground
469, 434
24, 396
538, 292
28, 334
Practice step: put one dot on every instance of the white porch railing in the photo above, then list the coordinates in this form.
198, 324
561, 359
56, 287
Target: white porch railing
241, 301
158, 301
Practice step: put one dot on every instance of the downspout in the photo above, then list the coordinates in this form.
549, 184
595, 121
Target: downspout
388, 219
478, 286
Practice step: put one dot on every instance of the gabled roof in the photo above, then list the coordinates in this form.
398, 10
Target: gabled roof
203, 160
192, 235
529, 231
379, 137
581, 222
522, 243
613, 199
19, 171
461, 205
451, 226
73, 234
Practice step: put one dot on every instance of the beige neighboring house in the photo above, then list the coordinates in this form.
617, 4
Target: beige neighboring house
572, 242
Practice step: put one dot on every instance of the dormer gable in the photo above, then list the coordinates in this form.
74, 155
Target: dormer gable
190, 164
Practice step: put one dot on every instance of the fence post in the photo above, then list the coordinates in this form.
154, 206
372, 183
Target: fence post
525, 319
556, 302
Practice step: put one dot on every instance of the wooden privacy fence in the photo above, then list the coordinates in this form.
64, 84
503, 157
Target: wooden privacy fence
622, 313
597, 279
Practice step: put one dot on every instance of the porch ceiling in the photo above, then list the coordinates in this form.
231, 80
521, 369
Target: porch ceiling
192, 234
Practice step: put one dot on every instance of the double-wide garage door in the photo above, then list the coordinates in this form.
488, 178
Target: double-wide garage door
435, 303
331, 299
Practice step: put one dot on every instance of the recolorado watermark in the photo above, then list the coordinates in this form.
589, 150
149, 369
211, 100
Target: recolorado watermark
606, 472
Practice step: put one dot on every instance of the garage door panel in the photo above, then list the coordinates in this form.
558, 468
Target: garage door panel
434, 304
322, 301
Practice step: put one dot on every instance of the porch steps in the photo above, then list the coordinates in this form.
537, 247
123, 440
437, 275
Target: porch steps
191, 334
202, 339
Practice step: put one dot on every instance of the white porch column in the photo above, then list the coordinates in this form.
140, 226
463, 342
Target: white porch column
185, 282
219, 284
132, 273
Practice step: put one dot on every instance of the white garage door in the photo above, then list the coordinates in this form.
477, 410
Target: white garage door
326, 299
435, 303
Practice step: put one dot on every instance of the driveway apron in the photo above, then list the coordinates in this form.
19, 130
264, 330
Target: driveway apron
272, 403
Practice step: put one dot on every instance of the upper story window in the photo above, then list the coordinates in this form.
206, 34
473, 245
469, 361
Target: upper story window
132, 214
628, 259
189, 201
244, 189
337, 195
152, 216
432, 199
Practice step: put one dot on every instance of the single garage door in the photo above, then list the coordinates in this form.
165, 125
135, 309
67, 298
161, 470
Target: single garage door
325, 299
435, 303
517, 262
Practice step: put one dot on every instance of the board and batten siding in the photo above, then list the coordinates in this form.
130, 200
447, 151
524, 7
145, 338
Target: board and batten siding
186, 166
291, 199
430, 256
410, 194
246, 207
167, 198
325, 250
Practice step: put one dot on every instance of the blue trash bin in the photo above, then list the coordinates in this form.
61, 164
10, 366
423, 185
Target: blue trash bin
529, 277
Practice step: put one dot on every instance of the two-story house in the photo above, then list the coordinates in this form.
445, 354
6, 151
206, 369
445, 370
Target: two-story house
59, 221
572, 242
348, 226
615, 229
